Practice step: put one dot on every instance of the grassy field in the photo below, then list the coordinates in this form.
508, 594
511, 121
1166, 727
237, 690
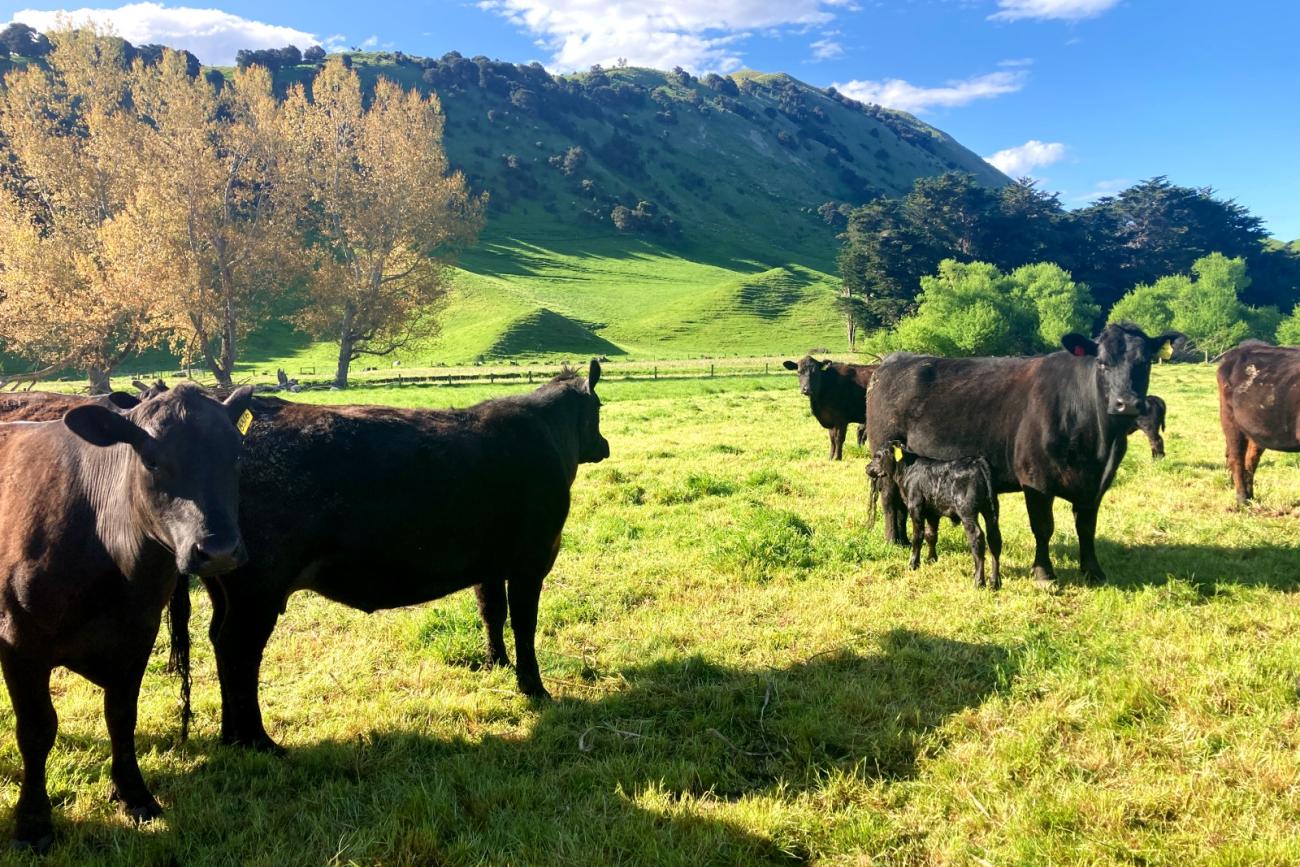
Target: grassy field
744, 673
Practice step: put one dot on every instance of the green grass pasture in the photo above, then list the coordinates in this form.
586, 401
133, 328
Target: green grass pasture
744, 673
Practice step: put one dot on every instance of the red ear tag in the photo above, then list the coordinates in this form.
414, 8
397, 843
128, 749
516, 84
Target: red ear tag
1078, 350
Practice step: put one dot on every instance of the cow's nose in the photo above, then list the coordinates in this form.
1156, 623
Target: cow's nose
803, 389
1125, 406
217, 556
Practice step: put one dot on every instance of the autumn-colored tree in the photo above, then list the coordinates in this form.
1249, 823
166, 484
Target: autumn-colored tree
214, 221
73, 153
388, 216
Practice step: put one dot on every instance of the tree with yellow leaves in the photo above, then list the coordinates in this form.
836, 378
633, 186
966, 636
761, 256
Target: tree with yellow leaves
387, 215
216, 222
72, 143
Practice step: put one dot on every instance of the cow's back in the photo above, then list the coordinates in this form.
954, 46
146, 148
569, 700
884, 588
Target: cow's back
1259, 389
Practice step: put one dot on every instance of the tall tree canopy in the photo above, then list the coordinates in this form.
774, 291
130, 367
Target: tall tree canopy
387, 214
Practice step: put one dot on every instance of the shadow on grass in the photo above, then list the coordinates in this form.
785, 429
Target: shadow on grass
635, 776
1133, 567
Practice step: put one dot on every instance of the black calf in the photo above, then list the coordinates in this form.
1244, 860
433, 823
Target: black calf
1151, 422
960, 489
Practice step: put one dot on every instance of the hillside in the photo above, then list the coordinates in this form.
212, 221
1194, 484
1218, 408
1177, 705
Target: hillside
649, 213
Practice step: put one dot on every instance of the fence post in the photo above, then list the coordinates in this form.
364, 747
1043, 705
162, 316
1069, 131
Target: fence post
492, 379
656, 375
449, 379
765, 370
530, 377
710, 371
399, 380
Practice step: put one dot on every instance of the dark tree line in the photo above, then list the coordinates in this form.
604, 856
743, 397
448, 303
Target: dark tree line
1149, 230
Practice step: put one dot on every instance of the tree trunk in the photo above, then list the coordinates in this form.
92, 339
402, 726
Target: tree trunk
99, 381
346, 339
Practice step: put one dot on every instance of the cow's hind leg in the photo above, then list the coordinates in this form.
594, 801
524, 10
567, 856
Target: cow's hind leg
994, 533
121, 697
932, 538
1085, 523
1235, 454
1039, 506
238, 642
975, 537
492, 608
524, 594
1254, 452
37, 725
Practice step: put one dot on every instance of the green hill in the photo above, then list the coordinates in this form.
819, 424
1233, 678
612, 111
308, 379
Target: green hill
648, 213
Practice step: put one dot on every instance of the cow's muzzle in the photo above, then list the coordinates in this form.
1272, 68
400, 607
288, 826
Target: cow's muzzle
215, 557
1126, 406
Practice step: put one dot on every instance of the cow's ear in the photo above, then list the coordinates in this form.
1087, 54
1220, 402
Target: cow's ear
1077, 344
102, 427
237, 405
1164, 345
593, 374
789, 365
122, 400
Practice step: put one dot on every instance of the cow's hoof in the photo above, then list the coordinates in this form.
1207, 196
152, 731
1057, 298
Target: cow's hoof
1045, 579
1094, 576
258, 744
535, 691
144, 812
35, 845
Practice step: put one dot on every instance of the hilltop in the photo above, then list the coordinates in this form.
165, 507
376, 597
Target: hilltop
650, 213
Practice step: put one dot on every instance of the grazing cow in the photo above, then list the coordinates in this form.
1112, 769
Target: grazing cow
1052, 426
99, 514
837, 393
377, 507
1259, 407
960, 489
1151, 422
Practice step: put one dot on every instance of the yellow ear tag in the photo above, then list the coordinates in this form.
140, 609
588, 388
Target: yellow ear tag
1166, 351
898, 453
244, 423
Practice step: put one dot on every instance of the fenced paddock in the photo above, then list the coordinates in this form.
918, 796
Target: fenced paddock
744, 673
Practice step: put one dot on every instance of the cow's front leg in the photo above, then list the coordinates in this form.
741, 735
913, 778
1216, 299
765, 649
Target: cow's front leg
492, 608
1039, 506
239, 640
523, 595
120, 699
1085, 523
37, 724
837, 434
918, 529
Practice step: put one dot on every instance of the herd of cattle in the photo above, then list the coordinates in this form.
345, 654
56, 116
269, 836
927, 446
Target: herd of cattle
106, 502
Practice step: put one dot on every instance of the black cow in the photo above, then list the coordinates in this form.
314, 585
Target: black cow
1259, 407
1151, 422
377, 507
961, 489
50, 406
99, 513
1052, 426
837, 393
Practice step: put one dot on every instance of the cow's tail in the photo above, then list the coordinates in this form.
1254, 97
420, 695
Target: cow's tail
178, 625
986, 473
873, 499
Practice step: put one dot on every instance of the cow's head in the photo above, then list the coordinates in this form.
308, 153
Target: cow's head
185, 479
811, 374
592, 447
1123, 354
884, 463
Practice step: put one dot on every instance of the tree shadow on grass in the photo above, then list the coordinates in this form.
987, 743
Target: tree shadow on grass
635, 776
1132, 567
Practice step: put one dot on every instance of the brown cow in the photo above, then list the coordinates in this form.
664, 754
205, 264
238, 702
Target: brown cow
837, 394
1259, 407
99, 514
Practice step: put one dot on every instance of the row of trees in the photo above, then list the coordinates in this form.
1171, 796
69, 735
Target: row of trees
141, 206
974, 308
1150, 230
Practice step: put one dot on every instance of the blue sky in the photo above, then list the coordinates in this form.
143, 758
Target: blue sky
1087, 95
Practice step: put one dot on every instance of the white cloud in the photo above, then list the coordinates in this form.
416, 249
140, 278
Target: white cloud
212, 35
697, 36
1066, 10
903, 95
1020, 161
1016, 62
1102, 188
826, 49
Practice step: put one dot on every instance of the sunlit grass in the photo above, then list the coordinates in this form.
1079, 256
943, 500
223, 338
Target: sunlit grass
745, 673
